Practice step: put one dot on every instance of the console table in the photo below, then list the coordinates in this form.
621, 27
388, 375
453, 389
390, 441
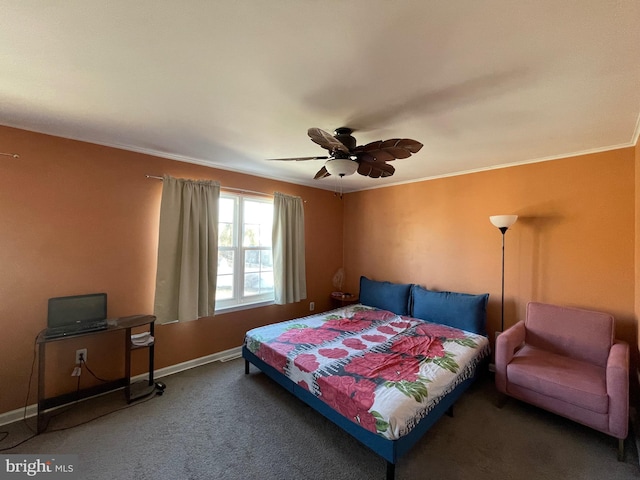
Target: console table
123, 324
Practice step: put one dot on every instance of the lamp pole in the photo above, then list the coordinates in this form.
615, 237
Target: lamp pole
503, 222
503, 230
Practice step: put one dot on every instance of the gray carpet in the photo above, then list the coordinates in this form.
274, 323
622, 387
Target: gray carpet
214, 422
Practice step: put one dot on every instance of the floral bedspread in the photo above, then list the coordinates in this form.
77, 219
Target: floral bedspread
383, 371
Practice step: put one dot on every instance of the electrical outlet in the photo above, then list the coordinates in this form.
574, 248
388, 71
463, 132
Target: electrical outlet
312, 306
81, 352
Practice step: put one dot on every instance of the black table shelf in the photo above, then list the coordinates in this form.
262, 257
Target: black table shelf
132, 391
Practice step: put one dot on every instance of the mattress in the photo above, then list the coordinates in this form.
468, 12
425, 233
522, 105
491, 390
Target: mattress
382, 371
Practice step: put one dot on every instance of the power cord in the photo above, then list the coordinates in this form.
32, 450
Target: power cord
26, 403
24, 416
76, 425
101, 416
69, 407
84, 363
17, 444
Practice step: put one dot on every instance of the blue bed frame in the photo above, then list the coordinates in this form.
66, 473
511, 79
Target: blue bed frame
390, 450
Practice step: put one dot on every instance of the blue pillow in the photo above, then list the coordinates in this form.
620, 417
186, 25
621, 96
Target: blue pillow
385, 295
459, 310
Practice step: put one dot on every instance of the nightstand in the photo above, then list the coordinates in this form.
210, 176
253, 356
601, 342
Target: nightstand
339, 299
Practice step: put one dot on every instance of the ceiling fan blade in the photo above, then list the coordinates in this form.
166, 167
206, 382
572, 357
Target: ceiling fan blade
297, 159
322, 173
387, 150
382, 155
326, 140
365, 157
375, 169
408, 144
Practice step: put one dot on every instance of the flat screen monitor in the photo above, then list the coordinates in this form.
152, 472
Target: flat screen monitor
76, 309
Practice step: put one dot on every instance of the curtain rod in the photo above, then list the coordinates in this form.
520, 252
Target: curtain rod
242, 190
14, 155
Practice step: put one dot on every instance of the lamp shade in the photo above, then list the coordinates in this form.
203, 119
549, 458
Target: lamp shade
503, 221
341, 167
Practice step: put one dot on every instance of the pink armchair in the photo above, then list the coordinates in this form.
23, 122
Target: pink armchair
567, 361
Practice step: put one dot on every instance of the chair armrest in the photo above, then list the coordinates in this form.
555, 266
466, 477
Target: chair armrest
618, 388
506, 345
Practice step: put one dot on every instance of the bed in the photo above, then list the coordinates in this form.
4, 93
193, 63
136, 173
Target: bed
384, 370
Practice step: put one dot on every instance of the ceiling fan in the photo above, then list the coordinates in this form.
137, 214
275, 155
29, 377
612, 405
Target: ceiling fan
345, 158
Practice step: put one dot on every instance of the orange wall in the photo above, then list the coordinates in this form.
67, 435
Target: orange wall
80, 218
573, 243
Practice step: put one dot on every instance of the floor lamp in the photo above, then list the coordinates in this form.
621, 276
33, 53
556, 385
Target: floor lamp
503, 222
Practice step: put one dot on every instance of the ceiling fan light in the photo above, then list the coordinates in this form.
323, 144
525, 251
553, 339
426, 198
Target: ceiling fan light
341, 167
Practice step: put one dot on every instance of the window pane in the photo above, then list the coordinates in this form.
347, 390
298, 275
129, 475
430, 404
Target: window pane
225, 262
266, 260
225, 234
224, 282
258, 283
258, 217
226, 219
224, 287
255, 211
258, 268
226, 209
251, 261
251, 284
266, 231
251, 235
266, 282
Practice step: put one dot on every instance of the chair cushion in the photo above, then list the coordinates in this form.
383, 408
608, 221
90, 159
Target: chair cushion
572, 381
581, 334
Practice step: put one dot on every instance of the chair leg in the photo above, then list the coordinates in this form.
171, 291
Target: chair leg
621, 449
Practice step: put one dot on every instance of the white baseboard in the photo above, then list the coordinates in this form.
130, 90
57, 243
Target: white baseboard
224, 356
18, 414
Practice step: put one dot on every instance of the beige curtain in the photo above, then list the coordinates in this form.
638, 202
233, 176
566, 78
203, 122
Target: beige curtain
290, 281
187, 250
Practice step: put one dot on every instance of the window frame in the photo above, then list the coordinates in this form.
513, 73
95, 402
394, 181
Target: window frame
240, 301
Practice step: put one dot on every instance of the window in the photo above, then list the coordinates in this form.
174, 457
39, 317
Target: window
245, 264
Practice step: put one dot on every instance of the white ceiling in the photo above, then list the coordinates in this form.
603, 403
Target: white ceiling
230, 83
